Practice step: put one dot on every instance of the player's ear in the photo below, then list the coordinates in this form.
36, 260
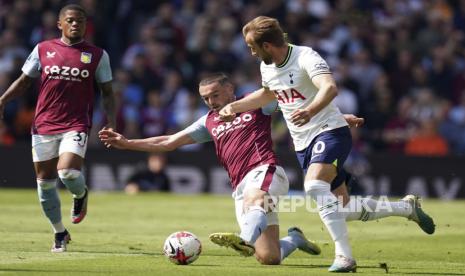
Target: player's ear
59, 25
266, 46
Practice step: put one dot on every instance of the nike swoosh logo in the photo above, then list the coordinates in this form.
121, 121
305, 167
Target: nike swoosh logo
172, 248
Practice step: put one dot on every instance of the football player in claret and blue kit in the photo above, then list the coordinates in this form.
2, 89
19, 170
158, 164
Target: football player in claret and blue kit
67, 68
245, 149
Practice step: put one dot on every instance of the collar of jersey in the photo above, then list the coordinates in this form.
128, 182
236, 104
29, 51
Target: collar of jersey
72, 43
288, 55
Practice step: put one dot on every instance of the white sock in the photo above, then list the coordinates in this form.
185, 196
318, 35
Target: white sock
254, 224
58, 227
287, 246
365, 209
335, 221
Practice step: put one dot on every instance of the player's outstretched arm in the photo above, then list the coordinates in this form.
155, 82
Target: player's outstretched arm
18, 87
111, 138
108, 100
353, 120
253, 101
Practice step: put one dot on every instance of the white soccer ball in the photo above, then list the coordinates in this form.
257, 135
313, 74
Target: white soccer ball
182, 248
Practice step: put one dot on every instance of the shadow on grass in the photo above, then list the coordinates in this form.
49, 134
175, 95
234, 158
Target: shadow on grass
305, 266
433, 273
327, 266
43, 270
374, 267
115, 253
204, 265
142, 253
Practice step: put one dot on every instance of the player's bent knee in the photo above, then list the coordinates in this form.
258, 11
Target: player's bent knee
257, 203
268, 253
69, 174
315, 186
268, 259
254, 198
46, 184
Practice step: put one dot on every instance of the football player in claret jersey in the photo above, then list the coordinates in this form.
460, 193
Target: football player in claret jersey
244, 148
302, 83
67, 68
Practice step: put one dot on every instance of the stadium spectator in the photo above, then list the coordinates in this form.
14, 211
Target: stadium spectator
141, 74
24, 119
399, 128
427, 141
417, 44
167, 30
156, 119
6, 138
453, 127
150, 178
47, 29
11, 48
131, 97
365, 72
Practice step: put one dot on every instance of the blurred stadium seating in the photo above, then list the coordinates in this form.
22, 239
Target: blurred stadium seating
400, 64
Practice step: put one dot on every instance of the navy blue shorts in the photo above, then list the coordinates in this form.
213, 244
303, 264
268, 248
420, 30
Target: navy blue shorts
329, 147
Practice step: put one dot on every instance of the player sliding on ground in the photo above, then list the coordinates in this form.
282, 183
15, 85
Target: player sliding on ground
244, 148
303, 85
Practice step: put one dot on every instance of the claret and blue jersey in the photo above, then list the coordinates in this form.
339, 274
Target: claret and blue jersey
67, 76
241, 145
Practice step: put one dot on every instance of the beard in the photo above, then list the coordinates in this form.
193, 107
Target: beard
267, 60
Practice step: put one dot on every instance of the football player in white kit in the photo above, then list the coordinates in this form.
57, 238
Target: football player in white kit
302, 83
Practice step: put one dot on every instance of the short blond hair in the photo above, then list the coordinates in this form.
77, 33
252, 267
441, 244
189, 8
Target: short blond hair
265, 29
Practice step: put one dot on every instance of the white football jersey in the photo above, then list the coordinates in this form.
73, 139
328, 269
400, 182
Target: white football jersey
292, 84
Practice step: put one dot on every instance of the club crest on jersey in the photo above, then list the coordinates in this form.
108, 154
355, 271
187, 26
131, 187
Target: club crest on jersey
86, 57
290, 76
50, 54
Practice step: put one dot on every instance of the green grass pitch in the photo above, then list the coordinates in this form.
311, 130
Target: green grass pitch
124, 235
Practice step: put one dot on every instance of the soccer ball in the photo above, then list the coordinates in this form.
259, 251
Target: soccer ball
182, 248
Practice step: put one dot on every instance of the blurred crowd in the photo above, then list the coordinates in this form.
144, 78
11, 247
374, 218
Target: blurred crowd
398, 63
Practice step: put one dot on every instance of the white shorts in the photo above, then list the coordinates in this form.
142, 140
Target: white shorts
46, 147
268, 178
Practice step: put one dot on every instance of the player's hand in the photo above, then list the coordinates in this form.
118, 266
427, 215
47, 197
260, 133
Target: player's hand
226, 113
108, 127
300, 117
111, 138
353, 120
